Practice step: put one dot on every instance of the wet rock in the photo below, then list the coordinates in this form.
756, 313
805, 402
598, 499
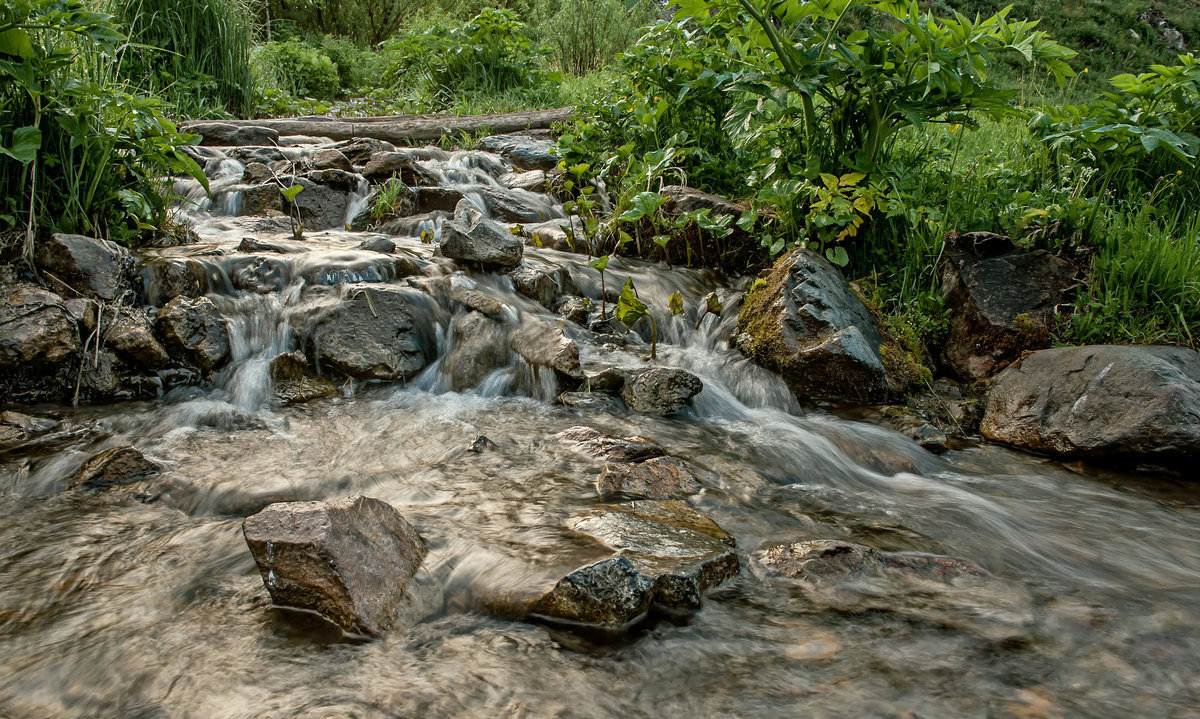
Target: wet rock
552, 234
522, 151
368, 331
1000, 307
17, 428
531, 181
282, 247
299, 390
361, 149
477, 301
1099, 401
258, 200
542, 344
846, 577
574, 309
330, 159
610, 379
481, 444
321, 207
349, 560
102, 375
113, 467
219, 134
660, 390
478, 349
378, 244
289, 365
514, 207
1168, 33
92, 267
806, 323
471, 237
385, 165
543, 284
656, 478
595, 401
302, 140
929, 437
257, 173
339, 180
131, 335
437, 199
595, 443
266, 154
610, 592
35, 328
193, 329
681, 200
167, 279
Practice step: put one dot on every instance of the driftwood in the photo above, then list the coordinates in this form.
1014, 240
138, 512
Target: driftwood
398, 129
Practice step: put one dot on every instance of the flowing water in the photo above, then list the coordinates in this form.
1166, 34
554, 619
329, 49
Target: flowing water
145, 602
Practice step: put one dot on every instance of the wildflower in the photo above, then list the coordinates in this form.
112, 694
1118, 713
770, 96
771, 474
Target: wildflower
1179, 172
1085, 69
954, 127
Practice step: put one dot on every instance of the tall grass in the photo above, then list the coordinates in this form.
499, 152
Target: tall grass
195, 53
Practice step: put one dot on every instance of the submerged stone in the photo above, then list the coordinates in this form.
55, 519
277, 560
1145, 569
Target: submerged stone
113, 467
595, 443
655, 478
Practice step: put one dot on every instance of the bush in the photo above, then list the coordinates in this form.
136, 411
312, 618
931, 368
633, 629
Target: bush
195, 53
297, 69
77, 152
364, 21
588, 34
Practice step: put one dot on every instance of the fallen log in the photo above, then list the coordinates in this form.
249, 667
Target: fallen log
399, 129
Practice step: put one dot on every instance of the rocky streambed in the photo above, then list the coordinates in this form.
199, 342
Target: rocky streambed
408, 469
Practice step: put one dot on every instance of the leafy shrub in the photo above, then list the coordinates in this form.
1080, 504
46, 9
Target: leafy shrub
195, 53
77, 152
365, 21
588, 34
298, 69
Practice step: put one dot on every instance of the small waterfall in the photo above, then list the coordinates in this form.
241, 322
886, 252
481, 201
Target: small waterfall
358, 200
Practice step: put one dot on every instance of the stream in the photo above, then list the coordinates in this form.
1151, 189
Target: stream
143, 601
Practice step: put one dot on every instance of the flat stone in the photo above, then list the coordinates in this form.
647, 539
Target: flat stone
113, 467
595, 443
93, 267
660, 391
522, 151
349, 560
656, 478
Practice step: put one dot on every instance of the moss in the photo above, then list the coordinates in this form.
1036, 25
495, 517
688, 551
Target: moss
759, 336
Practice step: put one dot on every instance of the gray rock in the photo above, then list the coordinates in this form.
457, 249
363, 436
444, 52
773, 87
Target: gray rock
113, 467
845, 577
101, 378
321, 207
610, 592
92, 267
258, 200
329, 158
660, 390
220, 134
368, 331
35, 328
531, 181
656, 478
339, 180
349, 560
471, 237
681, 199
477, 301
481, 444
283, 247
595, 443
805, 323
574, 309
1099, 402
1000, 307
544, 284
378, 244
436, 199
929, 437
131, 335
522, 151
593, 401
542, 344
478, 349
515, 206
193, 329
360, 150
257, 173
385, 165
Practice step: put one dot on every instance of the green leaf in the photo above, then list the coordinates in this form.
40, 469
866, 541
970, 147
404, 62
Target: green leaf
600, 263
675, 302
713, 303
629, 309
15, 42
291, 192
26, 143
838, 256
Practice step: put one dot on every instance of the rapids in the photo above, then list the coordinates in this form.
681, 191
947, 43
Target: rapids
145, 602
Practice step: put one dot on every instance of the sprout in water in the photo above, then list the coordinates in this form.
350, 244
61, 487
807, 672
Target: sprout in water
630, 309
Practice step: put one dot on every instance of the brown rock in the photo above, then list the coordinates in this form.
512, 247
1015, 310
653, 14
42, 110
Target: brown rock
656, 478
112, 467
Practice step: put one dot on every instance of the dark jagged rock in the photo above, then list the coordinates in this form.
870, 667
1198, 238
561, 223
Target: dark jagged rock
360, 150
113, 467
929, 437
1000, 307
35, 328
660, 390
339, 180
131, 335
656, 478
385, 165
542, 344
92, 267
481, 444
321, 207
574, 309
523, 151
610, 592
257, 173
289, 365
193, 329
1100, 401
845, 577
367, 331
471, 237
349, 560
258, 200
806, 323
610, 379
595, 443
436, 199
543, 284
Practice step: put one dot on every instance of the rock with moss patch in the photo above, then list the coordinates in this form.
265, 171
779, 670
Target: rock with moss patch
806, 323
660, 390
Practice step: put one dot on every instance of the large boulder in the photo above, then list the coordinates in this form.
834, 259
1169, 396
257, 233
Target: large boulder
844, 577
35, 328
516, 205
660, 390
806, 323
321, 207
523, 151
92, 267
542, 344
368, 331
113, 467
1000, 306
471, 237
349, 560
193, 329
1099, 401
478, 348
